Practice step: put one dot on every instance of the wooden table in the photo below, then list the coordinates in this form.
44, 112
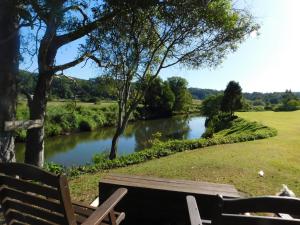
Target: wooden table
162, 201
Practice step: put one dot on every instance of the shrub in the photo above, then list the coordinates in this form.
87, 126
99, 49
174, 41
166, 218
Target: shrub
86, 125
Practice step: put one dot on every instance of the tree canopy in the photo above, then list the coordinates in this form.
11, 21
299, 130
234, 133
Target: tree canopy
232, 99
139, 42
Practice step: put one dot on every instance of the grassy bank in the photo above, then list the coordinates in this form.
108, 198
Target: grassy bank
64, 117
67, 117
82, 187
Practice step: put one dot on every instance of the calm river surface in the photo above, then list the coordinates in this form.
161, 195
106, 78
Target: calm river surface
79, 148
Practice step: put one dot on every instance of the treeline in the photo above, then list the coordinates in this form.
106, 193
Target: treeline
162, 98
273, 98
66, 87
257, 101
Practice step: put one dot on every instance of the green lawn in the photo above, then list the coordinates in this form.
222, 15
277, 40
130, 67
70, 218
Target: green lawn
237, 164
100, 104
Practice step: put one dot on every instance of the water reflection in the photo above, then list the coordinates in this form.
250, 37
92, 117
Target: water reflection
78, 149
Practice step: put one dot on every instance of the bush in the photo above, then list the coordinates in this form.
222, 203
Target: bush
86, 125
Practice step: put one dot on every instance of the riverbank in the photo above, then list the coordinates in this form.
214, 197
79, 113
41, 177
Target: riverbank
240, 130
64, 118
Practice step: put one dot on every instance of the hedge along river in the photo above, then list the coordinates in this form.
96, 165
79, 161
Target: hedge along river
79, 148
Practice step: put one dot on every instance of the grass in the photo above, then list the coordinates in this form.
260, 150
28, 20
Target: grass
237, 164
100, 104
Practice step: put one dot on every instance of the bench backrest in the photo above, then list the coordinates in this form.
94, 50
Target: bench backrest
31, 195
231, 211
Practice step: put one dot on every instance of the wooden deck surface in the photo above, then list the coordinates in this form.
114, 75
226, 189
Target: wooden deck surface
157, 201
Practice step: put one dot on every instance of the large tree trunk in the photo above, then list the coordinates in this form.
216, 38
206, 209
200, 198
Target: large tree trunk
9, 68
34, 153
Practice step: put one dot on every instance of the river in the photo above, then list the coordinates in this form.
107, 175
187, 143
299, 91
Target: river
79, 148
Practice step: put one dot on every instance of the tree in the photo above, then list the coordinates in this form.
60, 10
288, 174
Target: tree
289, 102
211, 106
9, 66
141, 41
183, 97
288, 96
159, 99
62, 22
232, 100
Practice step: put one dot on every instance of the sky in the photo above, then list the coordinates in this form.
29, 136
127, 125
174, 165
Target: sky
268, 62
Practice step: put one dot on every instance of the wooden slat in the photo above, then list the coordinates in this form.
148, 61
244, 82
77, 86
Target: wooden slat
193, 211
31, 210
32, 199
148, 178
188, 188
80, 219
21, 124
81, 204
65, 200
27, 219
28, 172
80, 210
193, 186
106, 207
120, 217
29, 187
228, 219
273, 204
15, 222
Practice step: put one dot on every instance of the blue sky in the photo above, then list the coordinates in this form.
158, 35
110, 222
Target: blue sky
267, 63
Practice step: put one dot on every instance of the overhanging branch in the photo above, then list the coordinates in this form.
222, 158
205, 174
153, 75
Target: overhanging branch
69, 64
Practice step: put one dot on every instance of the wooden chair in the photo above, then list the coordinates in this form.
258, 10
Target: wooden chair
231, 211
30, 195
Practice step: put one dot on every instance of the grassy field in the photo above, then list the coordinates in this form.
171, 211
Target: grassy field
237, 164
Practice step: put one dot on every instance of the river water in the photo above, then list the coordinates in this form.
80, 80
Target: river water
79, 148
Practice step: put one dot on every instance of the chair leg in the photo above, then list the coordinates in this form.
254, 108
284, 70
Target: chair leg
112, 218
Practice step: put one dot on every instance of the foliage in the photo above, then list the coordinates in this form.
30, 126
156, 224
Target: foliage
254, 101
141, 41
232, 99
65, 87
240, 131
199, 93
211, 106
183, 98
70, 118
159, 99
290, 102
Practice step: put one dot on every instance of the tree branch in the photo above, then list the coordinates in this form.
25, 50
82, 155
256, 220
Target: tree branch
69, 64
39, 11
82, 31
77, 8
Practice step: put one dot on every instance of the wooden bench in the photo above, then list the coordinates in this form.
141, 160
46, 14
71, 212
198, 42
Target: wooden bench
263, 211
163, 201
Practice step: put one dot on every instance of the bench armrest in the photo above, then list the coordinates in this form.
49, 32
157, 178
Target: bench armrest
106, 207
193, 210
